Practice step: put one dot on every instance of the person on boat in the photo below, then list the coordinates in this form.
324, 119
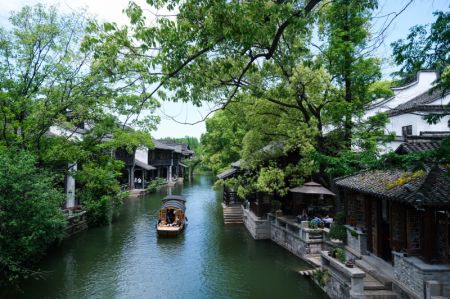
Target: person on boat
168, 212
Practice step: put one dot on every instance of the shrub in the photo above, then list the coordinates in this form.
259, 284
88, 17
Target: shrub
100, 191
30, 214
322, 277
153, 185
337, 229
340, 255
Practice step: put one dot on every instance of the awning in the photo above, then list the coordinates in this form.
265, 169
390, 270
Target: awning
227, 173
174, 197
312, 188
183, 165
144, 165
174, 204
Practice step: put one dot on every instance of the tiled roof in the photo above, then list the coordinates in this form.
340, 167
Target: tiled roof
227, 173
420, 102
417, 147
179, 147
431, 188
435, 191
236, 164
159, 145
144, 165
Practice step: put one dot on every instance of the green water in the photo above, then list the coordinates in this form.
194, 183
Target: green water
209, 260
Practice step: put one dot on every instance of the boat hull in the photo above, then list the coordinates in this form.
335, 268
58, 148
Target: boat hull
169, 231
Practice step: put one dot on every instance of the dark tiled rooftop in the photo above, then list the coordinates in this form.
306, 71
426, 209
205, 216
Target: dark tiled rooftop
417, 147
430, 188
420, 103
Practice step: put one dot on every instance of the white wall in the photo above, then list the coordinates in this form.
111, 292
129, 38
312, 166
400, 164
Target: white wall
441, 101
418, 124
59, 131
142, 155
403, 94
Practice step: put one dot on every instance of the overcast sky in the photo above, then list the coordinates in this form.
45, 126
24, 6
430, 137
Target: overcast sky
419, 12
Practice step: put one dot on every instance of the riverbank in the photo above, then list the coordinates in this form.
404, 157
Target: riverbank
367, 277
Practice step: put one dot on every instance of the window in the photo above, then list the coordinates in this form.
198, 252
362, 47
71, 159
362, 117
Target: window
407, 131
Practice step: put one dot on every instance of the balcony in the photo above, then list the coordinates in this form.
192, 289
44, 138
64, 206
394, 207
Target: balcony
160, 162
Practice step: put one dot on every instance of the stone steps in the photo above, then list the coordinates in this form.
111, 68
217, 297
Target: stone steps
376, 284
379, 294
366, 267
232, 214
370, 283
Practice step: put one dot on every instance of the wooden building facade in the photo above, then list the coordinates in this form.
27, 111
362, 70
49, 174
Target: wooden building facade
401, 211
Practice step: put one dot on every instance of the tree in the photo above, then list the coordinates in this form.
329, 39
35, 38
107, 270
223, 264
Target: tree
222, 142
425, 47
59, 105
30, 214
205, 53
344, 26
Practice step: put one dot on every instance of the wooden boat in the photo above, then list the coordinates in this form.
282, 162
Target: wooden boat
172, 217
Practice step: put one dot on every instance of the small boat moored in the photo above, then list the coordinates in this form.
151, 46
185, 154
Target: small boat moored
172, 217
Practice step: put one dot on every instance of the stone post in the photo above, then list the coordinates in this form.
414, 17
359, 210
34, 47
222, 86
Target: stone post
70, 186
357, 286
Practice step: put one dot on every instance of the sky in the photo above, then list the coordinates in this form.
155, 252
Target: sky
418, 12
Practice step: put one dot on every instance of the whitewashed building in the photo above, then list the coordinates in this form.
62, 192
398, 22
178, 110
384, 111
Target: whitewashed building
408, 106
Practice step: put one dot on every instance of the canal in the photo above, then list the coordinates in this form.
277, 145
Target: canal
209, 260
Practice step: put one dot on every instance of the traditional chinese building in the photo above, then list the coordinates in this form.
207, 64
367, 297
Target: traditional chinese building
402, 217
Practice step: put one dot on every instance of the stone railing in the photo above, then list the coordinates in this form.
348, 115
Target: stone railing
344, 282
311, 235
411, 274
258, 227
356, 241
296, 237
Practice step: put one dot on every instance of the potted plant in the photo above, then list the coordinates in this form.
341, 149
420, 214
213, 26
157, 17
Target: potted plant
340, 255
350, 263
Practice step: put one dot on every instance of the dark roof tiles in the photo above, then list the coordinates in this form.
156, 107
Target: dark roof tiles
420, 103
417, 147
426, 188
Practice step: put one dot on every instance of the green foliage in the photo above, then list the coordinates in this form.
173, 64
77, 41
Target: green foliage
271, 180
100, 190
30, 214
154, 184
322, 277
425, 47
338, 230
51, 86
313, 225
222, 142
339, 253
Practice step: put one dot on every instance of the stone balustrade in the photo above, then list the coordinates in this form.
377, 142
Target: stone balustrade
344, 282
356, 241
411, 275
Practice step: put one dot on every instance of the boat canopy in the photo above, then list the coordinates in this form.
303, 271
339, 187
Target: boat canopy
174, 204
174, 197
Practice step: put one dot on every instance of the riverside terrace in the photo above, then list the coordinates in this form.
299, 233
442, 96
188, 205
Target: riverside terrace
402, 217
397, 235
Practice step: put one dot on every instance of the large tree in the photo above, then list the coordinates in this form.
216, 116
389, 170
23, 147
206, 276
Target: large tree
57, 103
58, 106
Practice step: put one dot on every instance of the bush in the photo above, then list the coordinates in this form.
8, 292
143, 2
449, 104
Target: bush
153, 185
100, 191
340, 255
30, 214
322, 277
337, 229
